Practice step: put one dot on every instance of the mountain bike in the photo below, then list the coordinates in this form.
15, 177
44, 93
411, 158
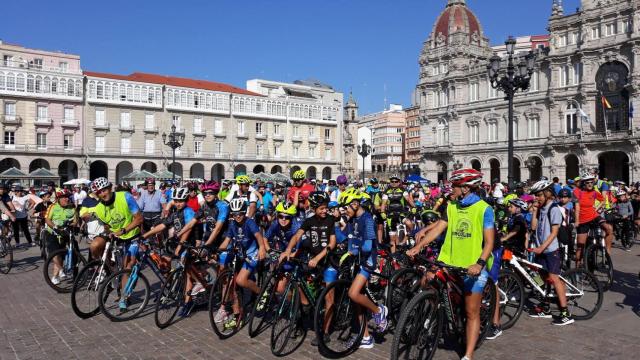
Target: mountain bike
596, 259
625, 231
263, 310
70, 256
438, 308
6, 250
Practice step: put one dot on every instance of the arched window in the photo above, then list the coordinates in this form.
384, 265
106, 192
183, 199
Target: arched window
442, 131
3, 80
100, 90
70, 88
20, 82
54, 85
612, 104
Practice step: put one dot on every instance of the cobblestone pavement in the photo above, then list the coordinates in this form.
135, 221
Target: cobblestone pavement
36, 323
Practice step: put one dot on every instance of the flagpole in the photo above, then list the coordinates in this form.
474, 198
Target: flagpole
604, 113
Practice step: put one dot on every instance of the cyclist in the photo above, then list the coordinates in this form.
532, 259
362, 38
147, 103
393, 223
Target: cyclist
469, 226
625, 209
546, 222
394, 208
224, 189
58, 214
150, 204
246, 192
342, 182
299, 191
120, 212
587, 213
39, 213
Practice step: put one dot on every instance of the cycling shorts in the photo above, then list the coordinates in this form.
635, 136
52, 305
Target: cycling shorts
250, 263
370, 262
475, 284
132, 248
584, 228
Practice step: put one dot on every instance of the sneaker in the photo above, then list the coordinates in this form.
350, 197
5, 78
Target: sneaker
494, 332
381, 318
62, 275
34, 244
185, 311
564, 319
540, 313
221, 315
263, 301
122, 304
197, 289
367, 343
55, 280
314, 341
231, 322
465, 358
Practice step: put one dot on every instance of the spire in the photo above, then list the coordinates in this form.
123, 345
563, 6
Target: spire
456, 2
556, 8
351, 102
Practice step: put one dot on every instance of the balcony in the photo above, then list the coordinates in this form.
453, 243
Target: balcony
312, 139
43, 121
179, 130
70, 124
261, 136
328, 140
199, 132
11, 119
127, 128
151, 130
103, 126
33, 148
242, 135
296, 138
32, 66
278, 137
219, 133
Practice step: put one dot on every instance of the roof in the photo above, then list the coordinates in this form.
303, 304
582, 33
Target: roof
457, 17
43, 173
173, 81
12, 173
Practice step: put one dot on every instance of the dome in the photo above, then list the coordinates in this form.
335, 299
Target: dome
457, 18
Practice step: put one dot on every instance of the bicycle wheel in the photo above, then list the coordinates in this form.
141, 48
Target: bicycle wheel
419, 328
6, 256
224, 294
586, 306
598, 262
286, 319
68, 272
169, 299
628, 238
487, 307
511, 298
84, 294
403, 285
338, 325
132, 287
262, 312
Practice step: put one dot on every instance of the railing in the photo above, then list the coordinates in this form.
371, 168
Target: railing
33, 66
242, 135
151, 130
11, 119
127, 127
70, 123
277, 137
219, 132
199, 132
43, 121
39, 148
261, 136
103, 126
312, 139
328, 140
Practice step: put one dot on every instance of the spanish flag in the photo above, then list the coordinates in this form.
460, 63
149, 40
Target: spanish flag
605, 103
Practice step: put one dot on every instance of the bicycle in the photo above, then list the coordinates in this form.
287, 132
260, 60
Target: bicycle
422, 323
6, 250
625, 231
596, 259
583, 291
260, 317
71, 258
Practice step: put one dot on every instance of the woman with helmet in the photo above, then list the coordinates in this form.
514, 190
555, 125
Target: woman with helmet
429, 220
515, 237
299, 190
469, 227
59, 214
246, 192
589, 204
395, 202
342, 182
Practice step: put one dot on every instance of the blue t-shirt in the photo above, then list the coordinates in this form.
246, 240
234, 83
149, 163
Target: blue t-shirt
556, 188
266, 201
279, 237
132, 203
245, 233
362, 234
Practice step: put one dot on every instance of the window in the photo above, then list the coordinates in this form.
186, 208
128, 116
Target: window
37, 63
241, 149
473, 91
217, 147
312, 131
197, 148
493, 93
534, 82
571, 120
125, 145
442, 132
610, 29
10, 109
436, 70
533, 127
276, 150
444, 97
240, 127
595, 32
125, 120
69, 114
7, 60
259, 128
100, 144
149, 146
9, 139
327, 153
43, 113
149, 121
100, 117
492, 130
218, 126
444, 68
564, 75
276, 129
296, 130
514, 130
562, 40
197, 125
175, 120
67, 142
296, 151
312, 151
259, 149
64, 66
577, 73
327, 134
626, 26
41, 141
573, 38
474, 133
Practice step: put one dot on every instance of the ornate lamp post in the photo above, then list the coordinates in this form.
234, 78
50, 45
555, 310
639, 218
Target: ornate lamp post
364, 150
175, 141
516, 78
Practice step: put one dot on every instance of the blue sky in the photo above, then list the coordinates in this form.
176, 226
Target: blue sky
362, 45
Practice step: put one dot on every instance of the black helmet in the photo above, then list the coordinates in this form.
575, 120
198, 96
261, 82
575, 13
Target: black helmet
429, 216
564, 193
318, 198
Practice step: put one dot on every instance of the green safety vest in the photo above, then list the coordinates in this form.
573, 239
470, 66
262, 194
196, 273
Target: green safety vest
58, 214
117, 215
463, 243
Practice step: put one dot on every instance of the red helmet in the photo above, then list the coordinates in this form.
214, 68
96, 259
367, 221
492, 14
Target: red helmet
63, 193
466, 177
210, 186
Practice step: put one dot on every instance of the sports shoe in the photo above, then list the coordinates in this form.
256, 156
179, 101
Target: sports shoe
221, 315
186, 309
197, 289
494, 332
62, 275
367, 343
263, 301
55, 280
465, 358
564, 319
327, 339
540, 313
381, 318
231, 322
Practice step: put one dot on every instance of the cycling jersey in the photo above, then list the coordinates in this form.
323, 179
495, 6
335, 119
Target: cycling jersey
58, 214
587, 201
317, 231
517, 224
119, 214
279, 237
395, 200
210, 214
245, 234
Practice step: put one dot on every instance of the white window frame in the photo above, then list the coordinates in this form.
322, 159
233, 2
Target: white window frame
41, 145
218, 148
577, 73
100, 117
67, 144
125, 145
197, 125
595, 32
69, 110
295, 151
533, 127
100, 144
571, 125
149, 121
149, 146
259, 129
296, 130
492, 130
197, 148
42, 113
610, 29
276, 129
277, 147
125, 120
177, 121
241, 128
474, 88
328, 153
218, 126
9, 139
259, 149
474, 133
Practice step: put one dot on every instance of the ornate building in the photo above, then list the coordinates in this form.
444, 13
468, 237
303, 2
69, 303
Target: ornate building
577, 113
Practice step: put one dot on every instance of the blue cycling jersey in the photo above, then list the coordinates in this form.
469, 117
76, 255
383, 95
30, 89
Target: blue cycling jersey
245, 233
279, 237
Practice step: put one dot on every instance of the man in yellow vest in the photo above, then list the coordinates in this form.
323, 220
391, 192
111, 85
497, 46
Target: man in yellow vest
469, 225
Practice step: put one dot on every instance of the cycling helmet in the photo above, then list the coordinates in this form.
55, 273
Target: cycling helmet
466, 177
342, 180
332, 182
509, 198
243, 180
587, 176
181, 194
429, 216
210, 186
318, 198
519, 203
540, 186
620, 192
373, 181
99, 184
149, 181
564, 193
342, 198
63, 193
298, 175
354, 194
192, 187
394, 177
285, 208
238, 205
333, 204
447, 191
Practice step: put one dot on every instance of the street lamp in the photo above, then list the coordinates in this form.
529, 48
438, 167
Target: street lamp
175, 141
457, 165
364, 150
517, 78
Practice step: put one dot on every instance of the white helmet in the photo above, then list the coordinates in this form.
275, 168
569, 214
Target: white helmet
620, 192
587, 176
238, 205
540, 186
519, 203
181, 194
99, 184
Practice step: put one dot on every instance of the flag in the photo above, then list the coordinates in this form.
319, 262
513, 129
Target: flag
605, 103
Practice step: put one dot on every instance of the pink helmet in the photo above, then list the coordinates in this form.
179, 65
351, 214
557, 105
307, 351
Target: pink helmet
210, 186
466, 177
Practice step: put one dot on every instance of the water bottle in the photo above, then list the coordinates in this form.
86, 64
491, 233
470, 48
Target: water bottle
538, 279
311, 284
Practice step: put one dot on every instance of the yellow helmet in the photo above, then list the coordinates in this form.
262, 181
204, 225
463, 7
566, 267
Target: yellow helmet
243, 179
283, 208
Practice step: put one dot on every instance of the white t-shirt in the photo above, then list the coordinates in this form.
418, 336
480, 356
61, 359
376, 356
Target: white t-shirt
497, 190
78, 197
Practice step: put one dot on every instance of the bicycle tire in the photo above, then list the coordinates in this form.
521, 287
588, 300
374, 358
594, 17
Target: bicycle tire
403, 285
65, 285
6, 260
260, 320
512, 285
87, 285
169, 299
415, 316
590, 286
344, 321
288, 313
598, 262
628, 238
219, 294
111, 309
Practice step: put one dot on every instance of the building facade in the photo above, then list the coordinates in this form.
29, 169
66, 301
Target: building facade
588, 69
387, 140
412, 154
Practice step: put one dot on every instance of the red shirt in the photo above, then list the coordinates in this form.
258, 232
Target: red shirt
587, 200
193, 203
306, 190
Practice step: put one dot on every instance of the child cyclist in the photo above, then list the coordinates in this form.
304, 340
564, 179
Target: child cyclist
247, 232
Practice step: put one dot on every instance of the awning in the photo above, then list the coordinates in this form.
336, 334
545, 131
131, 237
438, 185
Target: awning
13, 173
138, 175
165, 175
43, 174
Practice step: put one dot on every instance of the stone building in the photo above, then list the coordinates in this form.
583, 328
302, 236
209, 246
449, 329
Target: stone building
577, 113
387, 140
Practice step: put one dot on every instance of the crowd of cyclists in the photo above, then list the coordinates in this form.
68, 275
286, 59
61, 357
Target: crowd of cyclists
322, 227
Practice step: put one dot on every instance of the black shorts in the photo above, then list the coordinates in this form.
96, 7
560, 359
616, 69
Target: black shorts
584, 228
551, 262
53, 244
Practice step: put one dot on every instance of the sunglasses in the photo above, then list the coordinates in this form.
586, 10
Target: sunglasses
394, 181
208, 193
284, 217
235, 214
